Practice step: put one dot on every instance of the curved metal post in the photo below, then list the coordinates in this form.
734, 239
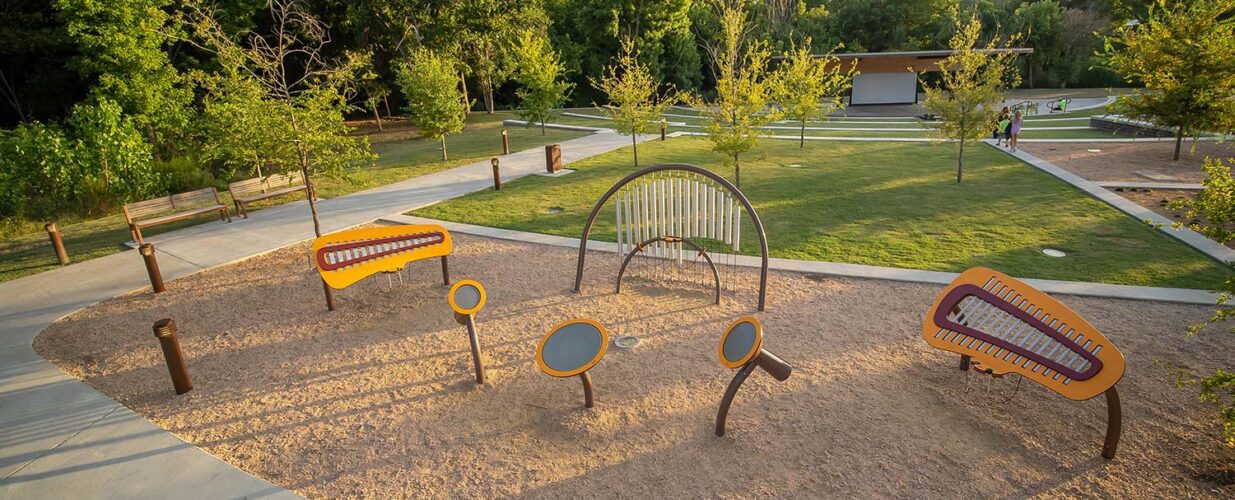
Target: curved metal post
669, 239
750, 210
476, 361
587, 390
732, 391
1114, 423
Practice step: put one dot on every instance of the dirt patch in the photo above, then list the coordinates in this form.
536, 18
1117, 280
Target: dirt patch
394, 129
377, 399
1119, 161
1160, 200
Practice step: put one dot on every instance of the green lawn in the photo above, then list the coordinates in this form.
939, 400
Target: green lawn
401, 155
888, 204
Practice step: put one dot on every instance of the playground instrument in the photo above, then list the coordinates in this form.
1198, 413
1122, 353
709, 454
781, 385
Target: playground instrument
346, 257
742, 347
572, 348
1000, 325
467, 298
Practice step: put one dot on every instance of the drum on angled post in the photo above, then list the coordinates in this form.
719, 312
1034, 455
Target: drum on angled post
572, 348
741, 347
467, 298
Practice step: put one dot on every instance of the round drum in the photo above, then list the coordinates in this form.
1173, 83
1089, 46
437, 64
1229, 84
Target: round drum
572, 347
467, 297
741, 342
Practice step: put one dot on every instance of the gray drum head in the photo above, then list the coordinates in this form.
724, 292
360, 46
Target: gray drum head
572, 348
467, 296
740, 343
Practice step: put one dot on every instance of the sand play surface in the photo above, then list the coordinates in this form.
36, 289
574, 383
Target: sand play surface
378, 398
1120, 161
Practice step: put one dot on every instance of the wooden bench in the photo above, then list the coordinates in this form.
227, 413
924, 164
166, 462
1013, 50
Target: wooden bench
251, 190
183, 205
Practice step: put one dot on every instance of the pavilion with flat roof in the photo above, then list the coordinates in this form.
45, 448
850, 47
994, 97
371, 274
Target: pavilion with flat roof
892, 77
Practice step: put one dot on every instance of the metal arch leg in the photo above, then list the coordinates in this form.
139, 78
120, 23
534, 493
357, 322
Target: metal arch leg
641, 247
476, 361
1114, 423
588, 401
730, 392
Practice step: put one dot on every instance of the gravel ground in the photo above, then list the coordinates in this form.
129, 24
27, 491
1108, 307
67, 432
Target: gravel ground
377, 399
1119, 161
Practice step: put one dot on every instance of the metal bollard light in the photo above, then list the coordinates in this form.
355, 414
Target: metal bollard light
57, 243
505, 142
152, 267
497, 176
165, 330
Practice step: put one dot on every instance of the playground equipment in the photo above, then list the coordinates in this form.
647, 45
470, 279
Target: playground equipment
1026, 107
1000, 325
1060, 105
741, 347
572, 348
346, 257
467, 298
662, 208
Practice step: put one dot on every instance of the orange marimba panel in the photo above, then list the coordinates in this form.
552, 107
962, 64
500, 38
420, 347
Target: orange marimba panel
346, 257
1007, 326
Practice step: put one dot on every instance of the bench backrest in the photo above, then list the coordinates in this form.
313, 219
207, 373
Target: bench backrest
179, 201
1005, 325
247, 187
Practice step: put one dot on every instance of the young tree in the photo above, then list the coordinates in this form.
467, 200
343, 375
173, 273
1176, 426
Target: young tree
743, 89
809, 87
241, 128
538, 71
305, 88
634, 103
433, 96
1184, 53
110, 149
973, 83
1216, 206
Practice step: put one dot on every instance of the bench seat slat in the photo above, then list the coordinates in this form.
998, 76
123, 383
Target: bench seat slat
178, 215
271, 194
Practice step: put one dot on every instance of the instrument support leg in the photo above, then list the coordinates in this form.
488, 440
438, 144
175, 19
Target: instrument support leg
587, 390
1114, 423
445, 271
730, 392
476, 361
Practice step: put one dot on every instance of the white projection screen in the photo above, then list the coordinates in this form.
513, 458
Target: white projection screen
885, 88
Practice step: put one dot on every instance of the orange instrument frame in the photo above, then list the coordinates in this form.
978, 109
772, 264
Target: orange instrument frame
346, 257
1063, 352
1001, 325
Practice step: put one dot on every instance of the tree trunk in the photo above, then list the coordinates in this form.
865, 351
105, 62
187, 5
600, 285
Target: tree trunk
1179, 140
960, 161
737, 171
634, 143
444, 147
488, 94
802, 138
377, 116
387, 102
467, 103
542, 126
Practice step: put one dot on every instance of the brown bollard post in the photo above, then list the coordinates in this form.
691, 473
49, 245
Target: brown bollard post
57, 244
165, 330
553, 158
662, 130
152, 267
497, 176
505, 143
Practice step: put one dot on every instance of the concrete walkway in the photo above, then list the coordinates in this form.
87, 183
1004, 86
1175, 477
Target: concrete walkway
59, 438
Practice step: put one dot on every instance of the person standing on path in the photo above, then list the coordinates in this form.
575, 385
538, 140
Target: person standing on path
1001, 125
1014, 129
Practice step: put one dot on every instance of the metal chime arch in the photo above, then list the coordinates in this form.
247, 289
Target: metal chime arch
681, 205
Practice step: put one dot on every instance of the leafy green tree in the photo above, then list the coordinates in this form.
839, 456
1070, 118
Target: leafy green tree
973, 83
1215, 205
809, 87
744, 88
241, 128
433, 97
111, 149
1184, 53
38, 170
304, 87
635, 105
122, 44
1041, 26
882, 25
538, 71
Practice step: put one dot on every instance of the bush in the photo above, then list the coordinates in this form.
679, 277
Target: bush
185, 174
